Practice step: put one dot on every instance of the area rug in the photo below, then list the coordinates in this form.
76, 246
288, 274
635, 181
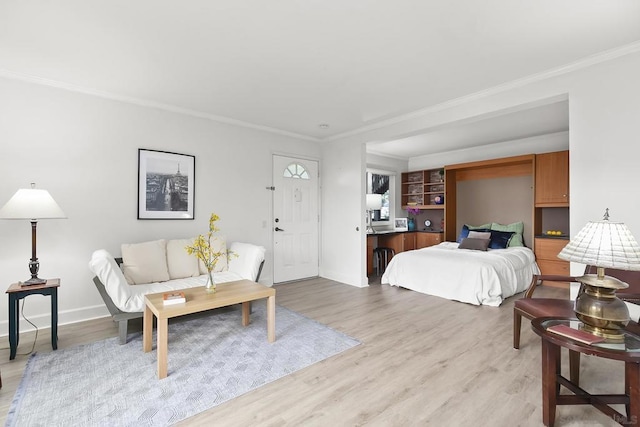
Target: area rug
212, 358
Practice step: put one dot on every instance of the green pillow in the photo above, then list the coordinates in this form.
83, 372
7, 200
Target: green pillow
516, 227
478, 227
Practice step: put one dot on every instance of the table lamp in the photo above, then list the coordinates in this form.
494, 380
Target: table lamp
32, 204
603, 244
374, 203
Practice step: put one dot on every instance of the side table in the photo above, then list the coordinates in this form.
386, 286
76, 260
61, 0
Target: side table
627, 352
16, 292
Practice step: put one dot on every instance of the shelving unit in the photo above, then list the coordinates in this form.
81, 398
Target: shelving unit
423, 189
551, 211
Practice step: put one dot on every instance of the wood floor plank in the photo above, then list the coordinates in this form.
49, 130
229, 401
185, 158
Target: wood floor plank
423, 361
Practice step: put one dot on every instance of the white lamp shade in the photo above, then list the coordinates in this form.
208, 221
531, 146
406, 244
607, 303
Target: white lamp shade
374, 202
31, 203
604, 244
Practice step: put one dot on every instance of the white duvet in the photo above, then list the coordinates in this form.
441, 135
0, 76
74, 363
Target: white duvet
474, 277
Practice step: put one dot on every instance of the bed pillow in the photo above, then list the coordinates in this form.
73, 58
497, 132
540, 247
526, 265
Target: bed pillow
473, 234
516, 227
500, 239
474, 244
466, 228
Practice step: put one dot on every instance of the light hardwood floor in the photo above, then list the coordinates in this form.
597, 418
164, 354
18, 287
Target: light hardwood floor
423, 361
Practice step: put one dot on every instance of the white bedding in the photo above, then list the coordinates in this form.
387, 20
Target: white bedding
474, 277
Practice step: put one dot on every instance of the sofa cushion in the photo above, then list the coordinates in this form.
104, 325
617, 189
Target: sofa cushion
179, 263
218, 244
145, 262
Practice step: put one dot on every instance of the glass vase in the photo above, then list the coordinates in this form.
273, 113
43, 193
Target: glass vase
210, 287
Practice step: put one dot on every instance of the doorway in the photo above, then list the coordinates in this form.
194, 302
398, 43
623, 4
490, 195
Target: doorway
296, 219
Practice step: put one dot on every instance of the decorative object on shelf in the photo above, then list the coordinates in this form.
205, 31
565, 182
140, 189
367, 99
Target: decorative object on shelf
166, 185
603, 244
411, 224
441, 173
427, 224
401, 224
374, 203
203, 250
438, 200
32, 204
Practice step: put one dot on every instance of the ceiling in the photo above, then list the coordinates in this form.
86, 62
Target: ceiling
509, 126
288, 66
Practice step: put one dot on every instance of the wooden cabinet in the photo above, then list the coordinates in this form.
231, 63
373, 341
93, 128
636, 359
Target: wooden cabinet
552, 179
547, 250
423, 189
424, 240
399, 242
551, 210
370, 245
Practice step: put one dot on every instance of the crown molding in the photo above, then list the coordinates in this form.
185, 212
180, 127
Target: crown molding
148, 104
514, 84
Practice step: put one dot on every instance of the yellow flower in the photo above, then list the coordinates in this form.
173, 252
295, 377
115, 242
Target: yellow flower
202, 248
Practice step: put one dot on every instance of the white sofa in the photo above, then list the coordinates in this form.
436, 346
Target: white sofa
162, 266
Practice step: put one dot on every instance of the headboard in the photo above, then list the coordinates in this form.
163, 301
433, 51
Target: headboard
498, 190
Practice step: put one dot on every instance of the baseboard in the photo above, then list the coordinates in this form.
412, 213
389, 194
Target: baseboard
66, 317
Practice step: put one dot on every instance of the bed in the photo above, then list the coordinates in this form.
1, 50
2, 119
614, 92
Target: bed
470, 276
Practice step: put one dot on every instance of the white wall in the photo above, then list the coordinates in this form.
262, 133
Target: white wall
84, 150
604, 116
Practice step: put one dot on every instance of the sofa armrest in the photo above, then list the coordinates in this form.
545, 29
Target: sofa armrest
248, 260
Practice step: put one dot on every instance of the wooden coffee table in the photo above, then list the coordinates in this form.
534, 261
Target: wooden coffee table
241, 291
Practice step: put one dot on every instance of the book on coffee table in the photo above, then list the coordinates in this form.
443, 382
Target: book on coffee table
576, 334
176, 297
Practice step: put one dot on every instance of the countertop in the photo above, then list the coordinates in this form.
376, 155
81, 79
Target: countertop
384, 232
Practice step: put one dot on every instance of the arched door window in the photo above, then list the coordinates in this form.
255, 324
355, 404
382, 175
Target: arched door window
296, 170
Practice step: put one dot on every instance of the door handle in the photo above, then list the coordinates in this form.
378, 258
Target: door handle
279, 229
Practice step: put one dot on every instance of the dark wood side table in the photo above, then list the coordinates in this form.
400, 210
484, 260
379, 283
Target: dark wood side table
16, 292
628, 352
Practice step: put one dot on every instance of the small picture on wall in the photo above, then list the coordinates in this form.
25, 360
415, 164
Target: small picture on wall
166, 183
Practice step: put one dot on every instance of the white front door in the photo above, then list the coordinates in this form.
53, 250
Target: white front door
296, 219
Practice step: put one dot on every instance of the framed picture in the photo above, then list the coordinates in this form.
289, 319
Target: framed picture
401, 224
166, 184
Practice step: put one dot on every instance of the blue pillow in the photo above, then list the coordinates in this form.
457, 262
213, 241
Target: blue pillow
500, 239
464, 233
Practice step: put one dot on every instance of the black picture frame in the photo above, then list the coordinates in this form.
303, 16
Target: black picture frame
166, 185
